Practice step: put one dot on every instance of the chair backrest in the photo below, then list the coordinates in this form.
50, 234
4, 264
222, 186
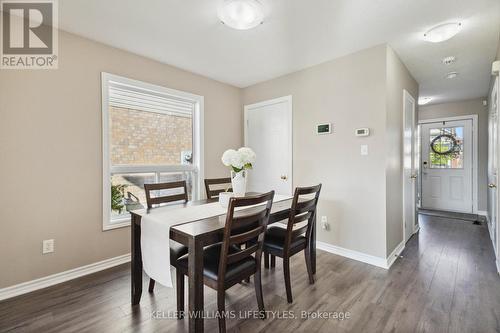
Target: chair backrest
216, 181
150, 201
303, 209
245, 227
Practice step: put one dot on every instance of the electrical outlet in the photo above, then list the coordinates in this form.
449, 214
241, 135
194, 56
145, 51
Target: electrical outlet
324, 223
47, 246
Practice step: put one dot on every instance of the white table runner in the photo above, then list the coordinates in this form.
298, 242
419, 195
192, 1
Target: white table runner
155, 235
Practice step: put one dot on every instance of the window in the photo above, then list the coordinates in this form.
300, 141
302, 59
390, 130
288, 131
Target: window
447, 148
151, 134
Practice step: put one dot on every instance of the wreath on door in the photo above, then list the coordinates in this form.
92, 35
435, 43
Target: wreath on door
445, 144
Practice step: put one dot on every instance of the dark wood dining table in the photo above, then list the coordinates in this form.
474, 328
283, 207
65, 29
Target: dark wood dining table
195, 235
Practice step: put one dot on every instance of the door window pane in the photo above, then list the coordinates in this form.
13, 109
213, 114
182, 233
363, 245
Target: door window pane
446, 147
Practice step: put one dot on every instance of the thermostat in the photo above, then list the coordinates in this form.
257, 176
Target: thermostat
362, 132
324, 128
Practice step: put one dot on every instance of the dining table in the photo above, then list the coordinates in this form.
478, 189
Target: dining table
196, 235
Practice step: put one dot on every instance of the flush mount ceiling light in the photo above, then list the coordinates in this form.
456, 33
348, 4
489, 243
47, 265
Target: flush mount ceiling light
241, 14
449, 60
424, 100
451, 75
442, 32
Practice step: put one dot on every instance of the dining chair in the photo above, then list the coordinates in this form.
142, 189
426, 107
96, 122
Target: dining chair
214, 193
285, 242
225, 264
176, 249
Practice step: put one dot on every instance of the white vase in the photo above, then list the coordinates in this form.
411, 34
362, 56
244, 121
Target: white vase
239, 183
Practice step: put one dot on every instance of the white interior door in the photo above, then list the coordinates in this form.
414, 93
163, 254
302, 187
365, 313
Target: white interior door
268, 131
409, 173
493, 162
447, 166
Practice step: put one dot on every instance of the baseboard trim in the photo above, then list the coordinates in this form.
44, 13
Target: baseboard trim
50, 280
482, 212
395, 254
363, 257
351, 254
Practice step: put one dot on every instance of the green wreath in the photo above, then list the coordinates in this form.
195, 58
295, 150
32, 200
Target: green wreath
454, 149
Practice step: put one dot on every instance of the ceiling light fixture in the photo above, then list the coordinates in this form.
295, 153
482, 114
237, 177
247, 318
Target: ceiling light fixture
424, 100
442, 32
449, 60
451, 75
241, 14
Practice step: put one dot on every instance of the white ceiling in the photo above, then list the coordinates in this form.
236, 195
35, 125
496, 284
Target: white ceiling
297, 34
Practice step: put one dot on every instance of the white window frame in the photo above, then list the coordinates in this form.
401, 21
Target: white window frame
198, 150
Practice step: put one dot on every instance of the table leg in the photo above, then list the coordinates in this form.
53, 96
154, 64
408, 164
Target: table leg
195, 263
136, 271
313, 245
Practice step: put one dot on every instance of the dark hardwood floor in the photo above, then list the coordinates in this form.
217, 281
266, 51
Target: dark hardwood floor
446, 281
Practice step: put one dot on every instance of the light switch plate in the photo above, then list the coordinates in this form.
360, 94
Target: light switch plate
47, 246
364, 150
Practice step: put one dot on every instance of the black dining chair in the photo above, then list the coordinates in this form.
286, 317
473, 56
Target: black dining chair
176, 249
286, 242
214, 193
225, 264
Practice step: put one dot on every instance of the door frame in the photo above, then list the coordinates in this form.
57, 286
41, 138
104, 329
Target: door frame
289, 101
496, 243
406, 94
474, 118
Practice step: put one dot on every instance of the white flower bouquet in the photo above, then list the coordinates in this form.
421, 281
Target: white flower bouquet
239, 161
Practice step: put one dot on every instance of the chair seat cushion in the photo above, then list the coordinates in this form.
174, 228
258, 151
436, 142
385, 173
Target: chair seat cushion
176, 251
211, 260
275, 239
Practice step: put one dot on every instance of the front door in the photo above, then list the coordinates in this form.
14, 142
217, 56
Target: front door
447, 166
268, 131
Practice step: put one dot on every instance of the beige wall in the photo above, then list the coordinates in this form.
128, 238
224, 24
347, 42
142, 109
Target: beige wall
398, 79
350, 93
50, 148
498, 51
462, 108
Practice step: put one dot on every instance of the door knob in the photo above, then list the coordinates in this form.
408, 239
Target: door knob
413, 176
284, 177
492, 186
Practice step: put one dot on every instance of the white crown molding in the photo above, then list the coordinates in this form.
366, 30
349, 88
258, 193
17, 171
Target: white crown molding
50, 280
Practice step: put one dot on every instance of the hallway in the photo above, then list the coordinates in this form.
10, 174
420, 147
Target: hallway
451, 279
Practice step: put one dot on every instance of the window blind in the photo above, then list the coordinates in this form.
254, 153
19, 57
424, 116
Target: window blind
123, 96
